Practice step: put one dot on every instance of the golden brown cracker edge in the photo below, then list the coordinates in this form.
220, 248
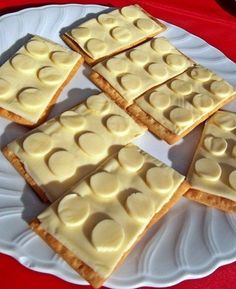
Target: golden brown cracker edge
210, 200
79, 266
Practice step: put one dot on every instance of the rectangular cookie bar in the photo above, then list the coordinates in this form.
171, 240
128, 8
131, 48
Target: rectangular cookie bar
65, 149
33, 78
96, 224
173, 109
112, 32
128, 75
212, 174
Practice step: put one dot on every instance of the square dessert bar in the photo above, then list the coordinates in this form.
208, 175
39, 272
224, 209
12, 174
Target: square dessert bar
128, 75
65, 149
173, 109
112, 32
212, 174
32, 79
96, 224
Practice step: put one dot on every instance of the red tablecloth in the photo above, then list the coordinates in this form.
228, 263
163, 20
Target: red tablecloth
205, 18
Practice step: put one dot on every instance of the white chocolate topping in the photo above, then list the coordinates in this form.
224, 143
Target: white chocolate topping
73, 210
221, 88
135, 71
63, 150
232, 179
62, 164
213, 169
182, 101
31, 77
104, 184
159, 100
115, 205
130, 159
201, 74
208, 169
107, 236
114, 31
23, 63
37, 144
215, 145
72, 120
139, 207
117, 125
160, 179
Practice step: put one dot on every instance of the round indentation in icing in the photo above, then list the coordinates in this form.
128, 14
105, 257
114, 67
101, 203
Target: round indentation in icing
121, 33
181, 87
96, 46
107, 236
208, 169
202, 102
130, 158
31, 97
161, 45
62, 164
130, 81
104, 184
37, 48
234, 152
138, 56
129, 12
116, 65
176, 61
92, 144
72, 120
159, 100
145, 24
5, 88
140, 207
23, 63
156, 70
201, 74
215, 145
62, 58
232, 179
106, 20
160, 179
49, 75
181, 116
73, 210
221, 88
118, 125
98, 103
80, 33
37, 144
225, 121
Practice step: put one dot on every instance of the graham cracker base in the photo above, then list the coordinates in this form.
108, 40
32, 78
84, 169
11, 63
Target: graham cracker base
91, 61
211, 200
18, 165
21, 120
79, 266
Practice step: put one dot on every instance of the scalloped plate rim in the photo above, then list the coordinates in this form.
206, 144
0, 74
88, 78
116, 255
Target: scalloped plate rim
216, 261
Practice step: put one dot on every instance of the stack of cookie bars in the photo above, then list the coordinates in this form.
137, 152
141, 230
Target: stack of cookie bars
104, 191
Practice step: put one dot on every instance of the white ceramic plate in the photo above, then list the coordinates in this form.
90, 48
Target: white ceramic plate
190, 242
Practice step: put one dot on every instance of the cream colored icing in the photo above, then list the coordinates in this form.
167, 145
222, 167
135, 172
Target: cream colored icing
135, 71
213, 169
183, 100
114, 31
65, 149
121, 203
29, 80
